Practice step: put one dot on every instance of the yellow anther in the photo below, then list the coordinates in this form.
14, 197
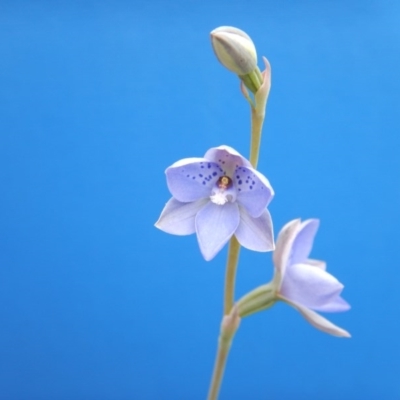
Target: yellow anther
224, 182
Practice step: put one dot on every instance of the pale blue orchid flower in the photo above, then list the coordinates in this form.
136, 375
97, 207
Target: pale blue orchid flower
303, 282
216, 197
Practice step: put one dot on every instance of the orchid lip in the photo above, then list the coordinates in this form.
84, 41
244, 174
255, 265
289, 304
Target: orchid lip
224, 191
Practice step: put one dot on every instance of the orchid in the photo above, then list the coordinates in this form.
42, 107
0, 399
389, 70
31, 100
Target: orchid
218, 196
222, 197
298, 280
304, 283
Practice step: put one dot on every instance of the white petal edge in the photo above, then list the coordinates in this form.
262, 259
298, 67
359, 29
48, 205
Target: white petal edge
186, 161
283, 248
318, 321
303, 243
178, 218
316, 263
338, 304
256, 233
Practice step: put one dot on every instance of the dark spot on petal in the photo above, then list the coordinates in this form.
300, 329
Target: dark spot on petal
187, 176
194, 177
251, 187
240, 182
209, 165
214, 173
201, 175
204, 182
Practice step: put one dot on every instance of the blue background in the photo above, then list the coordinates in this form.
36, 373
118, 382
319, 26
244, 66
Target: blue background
96, 100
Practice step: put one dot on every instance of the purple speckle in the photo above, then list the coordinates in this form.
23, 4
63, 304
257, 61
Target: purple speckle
209, 165
251, 187
201, 175
193, 177
214, 174
240, 182
187, 176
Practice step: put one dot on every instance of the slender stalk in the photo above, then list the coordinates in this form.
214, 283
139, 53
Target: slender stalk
224, 342
224, 345
257, 121
230, 275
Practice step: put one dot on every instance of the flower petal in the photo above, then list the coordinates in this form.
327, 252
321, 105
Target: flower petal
191, 179
309, 286
283, 248
318, 321
215, 224
316, 263
228, 158
303, 243
254, 191
179, 218
255, 233
338, 304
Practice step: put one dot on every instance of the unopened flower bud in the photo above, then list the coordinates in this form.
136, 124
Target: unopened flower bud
234, 49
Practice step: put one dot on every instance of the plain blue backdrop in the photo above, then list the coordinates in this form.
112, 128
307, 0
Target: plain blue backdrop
97, 98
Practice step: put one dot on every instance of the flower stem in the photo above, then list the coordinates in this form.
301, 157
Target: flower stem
230, 275
224, 342
224, 345
257, 121
230, 324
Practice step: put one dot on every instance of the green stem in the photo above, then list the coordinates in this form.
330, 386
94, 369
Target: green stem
257, 121
230, 275
224, 342
224, 345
